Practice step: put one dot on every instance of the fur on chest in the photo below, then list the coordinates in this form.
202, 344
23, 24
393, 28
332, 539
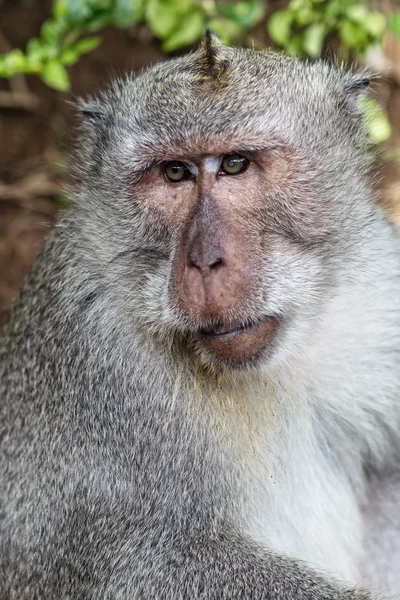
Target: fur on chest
304, 507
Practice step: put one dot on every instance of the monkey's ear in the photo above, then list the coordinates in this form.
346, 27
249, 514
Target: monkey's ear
91, 111
356, 85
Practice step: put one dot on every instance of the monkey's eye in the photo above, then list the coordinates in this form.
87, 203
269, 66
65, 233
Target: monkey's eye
233, 164
176, 171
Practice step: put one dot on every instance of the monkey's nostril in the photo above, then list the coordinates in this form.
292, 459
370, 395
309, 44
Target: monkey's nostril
205, 262
216, 263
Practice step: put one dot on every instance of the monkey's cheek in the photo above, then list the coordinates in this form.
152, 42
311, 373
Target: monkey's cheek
243, 347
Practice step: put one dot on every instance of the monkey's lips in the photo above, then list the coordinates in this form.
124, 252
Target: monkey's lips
239, 343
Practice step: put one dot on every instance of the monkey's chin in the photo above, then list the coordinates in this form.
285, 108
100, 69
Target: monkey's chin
239, 345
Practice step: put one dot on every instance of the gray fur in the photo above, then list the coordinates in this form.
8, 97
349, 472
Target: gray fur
133, 469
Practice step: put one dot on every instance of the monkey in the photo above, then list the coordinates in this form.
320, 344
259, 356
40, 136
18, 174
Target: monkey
200, 378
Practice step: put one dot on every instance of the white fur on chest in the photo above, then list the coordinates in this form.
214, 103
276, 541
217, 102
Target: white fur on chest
304, 507
307, 498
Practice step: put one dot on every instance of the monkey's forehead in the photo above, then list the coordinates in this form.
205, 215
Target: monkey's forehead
240, 85
233, 96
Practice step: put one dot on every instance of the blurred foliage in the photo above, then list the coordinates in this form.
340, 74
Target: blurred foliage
377, 124
176, 23
303, 28
394, 23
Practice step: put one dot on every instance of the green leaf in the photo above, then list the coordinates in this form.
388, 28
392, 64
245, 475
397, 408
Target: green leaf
357, 13
163, 18
3, 71
55, 76
103, 20
313, 41
72, 52
51, 32
78, 11
375, 24
126, 12
192, 30
35, 50
279, 26
376, 122
333, 12
60, 9
304, 15
351, 34
87, 44
394, 23
69, 56
244, 14
14, 62
294, 47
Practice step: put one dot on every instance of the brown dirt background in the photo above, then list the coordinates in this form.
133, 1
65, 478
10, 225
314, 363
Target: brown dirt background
37, 131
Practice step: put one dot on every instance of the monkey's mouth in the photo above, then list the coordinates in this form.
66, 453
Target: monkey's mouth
223, 329
238, 343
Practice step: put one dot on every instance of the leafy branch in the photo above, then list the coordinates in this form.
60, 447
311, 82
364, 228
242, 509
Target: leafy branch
304, 26
176, 23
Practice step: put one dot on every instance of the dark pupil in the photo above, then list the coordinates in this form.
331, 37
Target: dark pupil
176, 171
234, 164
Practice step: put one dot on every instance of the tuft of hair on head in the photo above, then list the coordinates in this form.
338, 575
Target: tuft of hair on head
213, 60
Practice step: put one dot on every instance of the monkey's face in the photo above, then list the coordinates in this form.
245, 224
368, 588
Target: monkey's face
215, 280
224, 179
227, 286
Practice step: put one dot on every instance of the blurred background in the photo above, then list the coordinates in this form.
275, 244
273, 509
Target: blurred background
52, 51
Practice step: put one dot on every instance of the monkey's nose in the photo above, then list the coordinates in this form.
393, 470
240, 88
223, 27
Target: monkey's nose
205, 261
